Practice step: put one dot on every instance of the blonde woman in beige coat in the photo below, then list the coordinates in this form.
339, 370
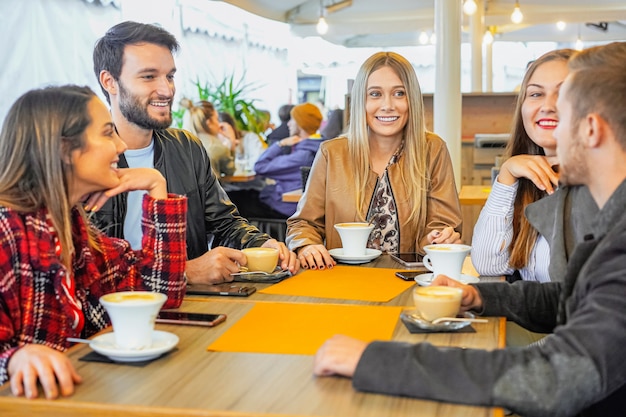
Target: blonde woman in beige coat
387, 170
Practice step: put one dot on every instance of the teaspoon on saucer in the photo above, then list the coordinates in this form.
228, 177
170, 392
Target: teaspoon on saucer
79, 340
443, 319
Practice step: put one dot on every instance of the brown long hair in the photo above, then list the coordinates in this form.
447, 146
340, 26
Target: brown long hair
41, 128
524, 234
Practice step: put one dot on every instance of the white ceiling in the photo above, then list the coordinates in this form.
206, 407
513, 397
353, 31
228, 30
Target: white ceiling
381, 23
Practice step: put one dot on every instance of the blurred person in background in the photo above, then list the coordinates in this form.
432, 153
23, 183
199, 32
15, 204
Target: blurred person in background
206, 125
284, 169
282, 130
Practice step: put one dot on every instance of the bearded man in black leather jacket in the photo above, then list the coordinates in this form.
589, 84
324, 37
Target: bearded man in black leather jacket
135, 67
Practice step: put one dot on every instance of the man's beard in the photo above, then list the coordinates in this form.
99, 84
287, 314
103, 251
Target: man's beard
573, 171
135, 112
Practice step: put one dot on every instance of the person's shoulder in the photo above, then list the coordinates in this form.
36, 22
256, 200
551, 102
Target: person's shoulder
7, 213
435, 145
434, 140
177, 135
15, 221
335, 144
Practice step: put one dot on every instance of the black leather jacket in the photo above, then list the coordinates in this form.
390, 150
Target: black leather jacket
184, 163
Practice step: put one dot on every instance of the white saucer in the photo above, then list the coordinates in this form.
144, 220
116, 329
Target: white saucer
370, 254
425, 279
161, 342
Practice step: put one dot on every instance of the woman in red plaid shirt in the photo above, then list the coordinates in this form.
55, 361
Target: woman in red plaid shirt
59, 146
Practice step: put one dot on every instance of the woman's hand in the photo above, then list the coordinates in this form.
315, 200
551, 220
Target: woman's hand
315, 257
536, 168
286, 258
445, 235
53, 369
131, 179
290, 141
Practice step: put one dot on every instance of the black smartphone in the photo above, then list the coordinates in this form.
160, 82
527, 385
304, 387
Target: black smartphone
410, 275
409, 259
194, 319
228, 288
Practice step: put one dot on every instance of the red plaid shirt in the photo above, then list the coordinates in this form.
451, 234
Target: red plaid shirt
33, 306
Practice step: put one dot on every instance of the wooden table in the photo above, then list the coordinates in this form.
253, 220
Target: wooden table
192, 381
292, 196
474, 194
238, 178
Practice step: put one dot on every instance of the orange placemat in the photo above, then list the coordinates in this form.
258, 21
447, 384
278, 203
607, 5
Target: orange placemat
295, 328
343, 282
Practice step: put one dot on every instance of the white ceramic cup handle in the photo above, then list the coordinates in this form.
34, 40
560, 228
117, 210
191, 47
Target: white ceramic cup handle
428, 263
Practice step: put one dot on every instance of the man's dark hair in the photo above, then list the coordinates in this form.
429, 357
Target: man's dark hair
284, 113
108, 53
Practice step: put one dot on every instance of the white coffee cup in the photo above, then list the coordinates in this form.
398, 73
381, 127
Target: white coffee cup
354, 237
436, 301
133, 314
446, 259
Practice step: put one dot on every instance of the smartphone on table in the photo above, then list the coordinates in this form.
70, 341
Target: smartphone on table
410, 275
193, 319
408, 259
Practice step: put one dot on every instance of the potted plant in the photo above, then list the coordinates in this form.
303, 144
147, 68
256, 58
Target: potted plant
230, 96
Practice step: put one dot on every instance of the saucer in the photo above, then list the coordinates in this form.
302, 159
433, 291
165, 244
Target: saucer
425, 279
370, 254
161, 342
413, 317
254, 276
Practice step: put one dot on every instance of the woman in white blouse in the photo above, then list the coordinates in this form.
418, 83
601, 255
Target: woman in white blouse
503, 241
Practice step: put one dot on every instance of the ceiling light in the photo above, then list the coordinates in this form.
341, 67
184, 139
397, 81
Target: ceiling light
488, 37
469, 7
579, 44
517, 16
560, 25
423, 38
322, 26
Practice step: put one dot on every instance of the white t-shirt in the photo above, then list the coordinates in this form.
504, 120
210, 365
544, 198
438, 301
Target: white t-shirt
136, 158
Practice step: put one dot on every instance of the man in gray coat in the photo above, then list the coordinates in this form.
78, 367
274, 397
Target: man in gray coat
579, 369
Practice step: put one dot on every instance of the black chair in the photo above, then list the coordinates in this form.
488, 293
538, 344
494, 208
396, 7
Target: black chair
276, 228
304, 174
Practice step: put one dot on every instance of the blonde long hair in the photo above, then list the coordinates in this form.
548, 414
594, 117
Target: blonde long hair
524, 234
415, 172
200, 114
39, 132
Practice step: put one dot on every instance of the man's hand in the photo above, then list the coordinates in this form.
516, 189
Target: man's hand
53, 369
215, 266
471, 299
339, 355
